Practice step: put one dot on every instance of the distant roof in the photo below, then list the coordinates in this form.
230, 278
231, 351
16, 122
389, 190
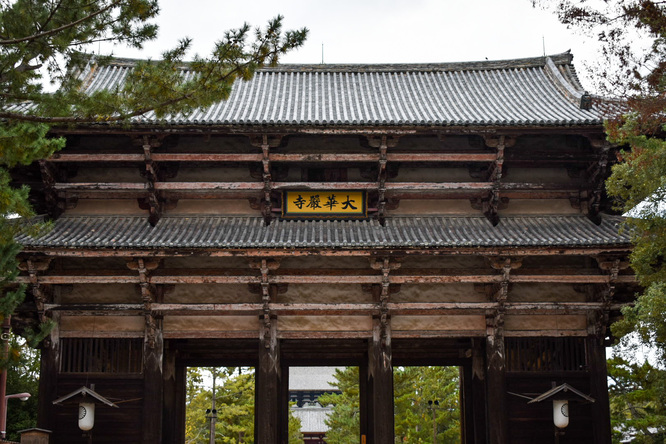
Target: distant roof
398, 232
521, 92
313, 418
311, 378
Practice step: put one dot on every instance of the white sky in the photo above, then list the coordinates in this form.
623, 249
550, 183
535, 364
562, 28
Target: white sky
379, 31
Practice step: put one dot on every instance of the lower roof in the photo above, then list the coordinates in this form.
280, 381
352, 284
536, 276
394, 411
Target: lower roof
205, 232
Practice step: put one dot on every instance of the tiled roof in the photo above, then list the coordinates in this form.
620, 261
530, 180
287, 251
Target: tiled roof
313, 418
398, 232
311, 378
537, 91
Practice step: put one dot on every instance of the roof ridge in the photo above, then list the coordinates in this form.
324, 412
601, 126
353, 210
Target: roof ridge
564, 58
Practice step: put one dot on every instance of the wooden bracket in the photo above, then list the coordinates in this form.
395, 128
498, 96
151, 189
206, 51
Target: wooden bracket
268, 294
596, 175
34, 266
266, 209
492, 203
56, 202
384, 139
149, 296
613, 266
151, 173
272, 140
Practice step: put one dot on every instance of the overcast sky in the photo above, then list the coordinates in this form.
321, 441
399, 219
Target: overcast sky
379, 31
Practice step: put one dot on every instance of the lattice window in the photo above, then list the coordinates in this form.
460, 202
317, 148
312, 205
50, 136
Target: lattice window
545, 354
101, 355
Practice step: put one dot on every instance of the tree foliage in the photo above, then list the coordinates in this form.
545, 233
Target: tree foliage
413, 388
637, 401
22, 377
234, 402
633, 69
344, 422
48, 41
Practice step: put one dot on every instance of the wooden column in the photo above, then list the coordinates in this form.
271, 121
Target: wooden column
380, 378
267, 388
283, 404
473, 398
172, 408
153, 354
365, 403
153, 382
48, 377
596, 356
496, 389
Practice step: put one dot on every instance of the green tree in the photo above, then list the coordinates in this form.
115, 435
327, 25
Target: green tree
47, 41
632, 69
234, 402
344, 422
637, 401
413, 388
22, 377
419, 393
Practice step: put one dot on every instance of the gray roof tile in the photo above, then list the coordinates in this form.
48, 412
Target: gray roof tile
497, 93
398, 232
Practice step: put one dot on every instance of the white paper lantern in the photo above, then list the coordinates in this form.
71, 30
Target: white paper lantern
560, 413
86, 415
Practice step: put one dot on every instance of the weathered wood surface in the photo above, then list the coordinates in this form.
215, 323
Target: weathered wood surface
406, 308
273, 157
324, 252
380, 371
153, 388
328, 276
496, 389
268, 389
596, 356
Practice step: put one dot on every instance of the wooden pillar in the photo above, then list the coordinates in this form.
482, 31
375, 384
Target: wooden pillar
48, 378
153, 381
172, 404
267, 387
478, 385
283, 404
465, 403
365, 403
380, 371
496, 389
596, 356
472, 399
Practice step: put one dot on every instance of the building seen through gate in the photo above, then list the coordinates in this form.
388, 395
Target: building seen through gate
335, 215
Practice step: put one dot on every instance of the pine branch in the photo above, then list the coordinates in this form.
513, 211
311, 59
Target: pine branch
61, 28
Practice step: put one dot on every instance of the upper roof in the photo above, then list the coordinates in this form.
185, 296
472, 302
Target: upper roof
522, 92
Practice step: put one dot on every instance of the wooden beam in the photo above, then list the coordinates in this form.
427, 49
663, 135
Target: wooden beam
87, 252
273, 157
332, 309
259, 186
313, 277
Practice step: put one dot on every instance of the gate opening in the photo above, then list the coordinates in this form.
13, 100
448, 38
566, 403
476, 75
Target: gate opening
427, 404
325, 403
219, 400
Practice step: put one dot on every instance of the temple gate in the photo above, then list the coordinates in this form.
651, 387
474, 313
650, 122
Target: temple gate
367, 215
